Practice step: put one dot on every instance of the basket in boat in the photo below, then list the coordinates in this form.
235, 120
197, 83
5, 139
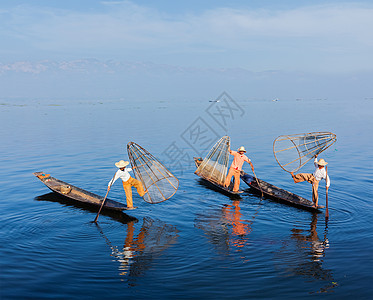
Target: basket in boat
65, 189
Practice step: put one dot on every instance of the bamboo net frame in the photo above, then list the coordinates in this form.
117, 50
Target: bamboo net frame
160, 183
293, 151
214, 167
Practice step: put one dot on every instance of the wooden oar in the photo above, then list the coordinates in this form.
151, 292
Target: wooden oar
102, 204
326, 180
103, 201
257, 182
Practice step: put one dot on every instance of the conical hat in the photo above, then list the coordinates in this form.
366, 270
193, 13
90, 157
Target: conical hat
322, 162
242, 148
121, 164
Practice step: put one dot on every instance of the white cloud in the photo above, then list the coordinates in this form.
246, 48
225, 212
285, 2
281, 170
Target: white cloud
334, 34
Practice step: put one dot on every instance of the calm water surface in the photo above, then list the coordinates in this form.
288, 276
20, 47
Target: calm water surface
200, 243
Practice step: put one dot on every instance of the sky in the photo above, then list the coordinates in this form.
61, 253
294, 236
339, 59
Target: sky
239, 45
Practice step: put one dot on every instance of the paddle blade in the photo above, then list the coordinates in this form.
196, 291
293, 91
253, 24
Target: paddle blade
160, 183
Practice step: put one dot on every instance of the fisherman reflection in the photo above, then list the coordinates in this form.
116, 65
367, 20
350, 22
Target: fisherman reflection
226, 229
240, 228
308, 256
316, 245
131, 245
139, 250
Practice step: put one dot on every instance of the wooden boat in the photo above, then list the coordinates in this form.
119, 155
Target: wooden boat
77, 194
228, 190
278, 194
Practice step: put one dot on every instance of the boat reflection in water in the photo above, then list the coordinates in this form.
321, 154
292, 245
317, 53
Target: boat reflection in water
226, 229
307, 257
141, 247
118, 216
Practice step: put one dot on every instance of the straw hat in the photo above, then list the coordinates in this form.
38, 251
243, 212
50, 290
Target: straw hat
242, 148
322, 162
121, 164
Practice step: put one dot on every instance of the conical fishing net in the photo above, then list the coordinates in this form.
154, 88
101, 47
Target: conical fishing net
154, 176
294, 151
214, 166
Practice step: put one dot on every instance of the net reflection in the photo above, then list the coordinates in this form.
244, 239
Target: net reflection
307, 257
141, 247
225, 228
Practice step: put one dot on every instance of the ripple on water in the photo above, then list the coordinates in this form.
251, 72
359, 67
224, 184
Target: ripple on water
223, 247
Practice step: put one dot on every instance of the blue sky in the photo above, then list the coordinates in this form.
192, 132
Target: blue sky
313, 37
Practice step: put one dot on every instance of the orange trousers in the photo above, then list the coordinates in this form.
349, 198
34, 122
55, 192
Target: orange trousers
311, 179
127, 186
236, 174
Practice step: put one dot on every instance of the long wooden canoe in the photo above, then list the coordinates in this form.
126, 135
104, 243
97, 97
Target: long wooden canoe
77, 194
228, 190
277, 193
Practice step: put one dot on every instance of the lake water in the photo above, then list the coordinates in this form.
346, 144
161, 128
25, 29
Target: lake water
200, 243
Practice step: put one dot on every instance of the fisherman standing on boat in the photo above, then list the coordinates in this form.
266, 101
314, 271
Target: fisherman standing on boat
128, 182
239, 158
320, 173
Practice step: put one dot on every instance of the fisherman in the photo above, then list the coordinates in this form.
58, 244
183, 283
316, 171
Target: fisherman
128, 182
239, 158
320, 173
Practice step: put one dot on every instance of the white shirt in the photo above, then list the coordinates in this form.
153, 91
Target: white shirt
321, 174
124, 175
